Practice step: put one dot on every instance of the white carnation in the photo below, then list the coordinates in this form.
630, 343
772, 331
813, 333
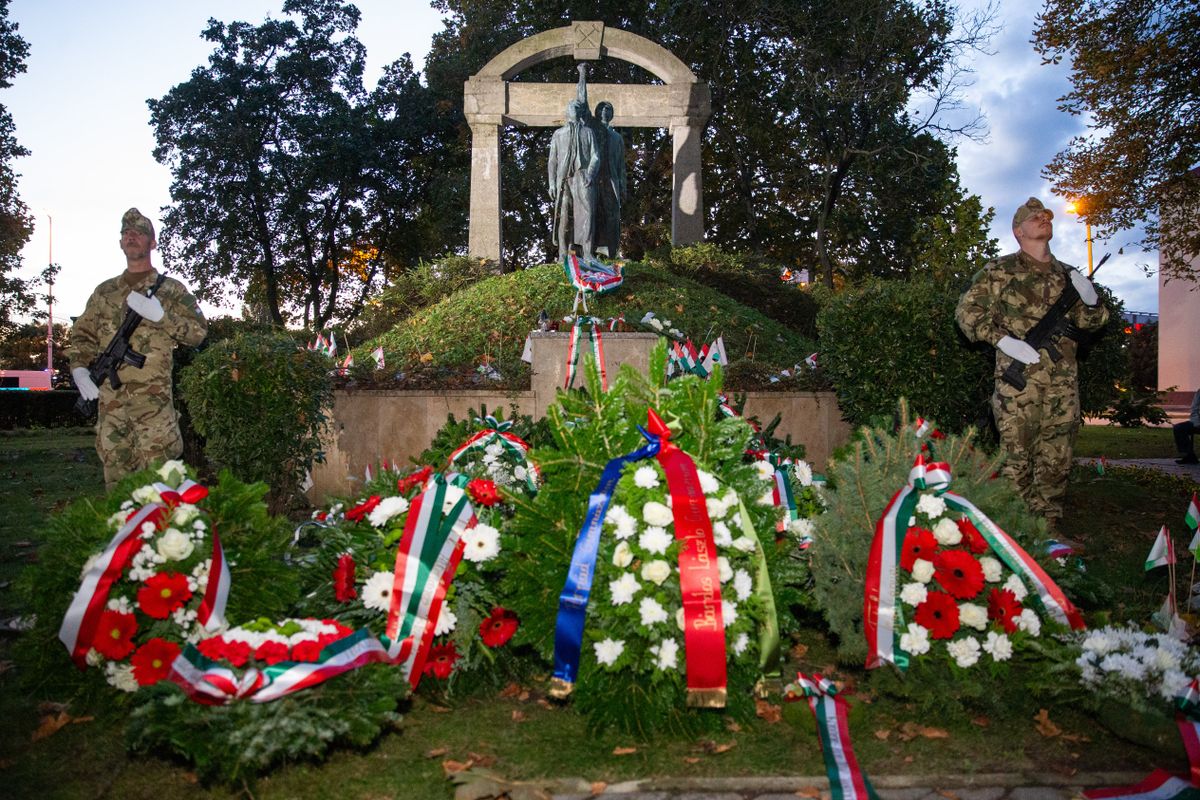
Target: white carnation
708, 484
651, 612
729, 613
1016, 586
992, 571
801, 528
623, 589
931, 506
922, 570
608, 651
724, 571
656, 572
972, 616
716, 508
915, 640
1029, 622
388, 507
741, 643
743, 584
722, 536
946, 532
655, 513
667, 653
998, 646
914, 594
655, 540
646, 477
965, 651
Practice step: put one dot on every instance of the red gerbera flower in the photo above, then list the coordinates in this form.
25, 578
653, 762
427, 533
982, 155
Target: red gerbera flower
162, 593
114, 635
271, 652
152, 661
972, 538
343, 579
499, 627
362, 509
939, 613
441, 660
1004, 607
959, 573
918, 543
307, 651
413, 481
483, 492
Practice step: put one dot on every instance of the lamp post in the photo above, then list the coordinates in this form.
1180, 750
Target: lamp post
50, 301
1076, 207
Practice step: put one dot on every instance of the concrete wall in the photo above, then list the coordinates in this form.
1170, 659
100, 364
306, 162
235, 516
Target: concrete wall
1179, 336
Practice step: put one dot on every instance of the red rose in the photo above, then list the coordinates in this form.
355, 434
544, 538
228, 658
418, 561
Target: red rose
959, 573
918, 543
271, 652
343, 579
483, 492
413, 481
441, 660
499, 627
972, 538
114, 635
939, 613
362, 509
307, 651
1004, 607
162, 593
152, 661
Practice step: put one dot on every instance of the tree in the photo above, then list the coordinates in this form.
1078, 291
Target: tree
24, 347
1135, 77
16, 224
289, 178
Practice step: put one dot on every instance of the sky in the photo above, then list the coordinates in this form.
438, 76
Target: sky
81, 109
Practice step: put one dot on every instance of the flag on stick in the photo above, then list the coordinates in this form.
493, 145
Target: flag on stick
1163, 552
377, 354
1192, 517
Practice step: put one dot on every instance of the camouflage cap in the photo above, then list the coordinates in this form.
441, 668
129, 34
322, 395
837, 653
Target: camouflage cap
137, 220
1032, 206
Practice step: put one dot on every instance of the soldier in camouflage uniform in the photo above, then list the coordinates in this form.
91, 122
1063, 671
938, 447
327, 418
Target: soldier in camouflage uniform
1005, 300
137, 422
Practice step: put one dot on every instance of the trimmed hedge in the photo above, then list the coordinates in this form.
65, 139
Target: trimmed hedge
53, 409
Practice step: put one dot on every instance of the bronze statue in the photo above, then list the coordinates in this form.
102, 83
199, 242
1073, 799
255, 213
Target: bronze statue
573, 167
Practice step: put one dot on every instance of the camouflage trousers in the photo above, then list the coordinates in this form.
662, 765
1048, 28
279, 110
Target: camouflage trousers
1037, 432
134, 431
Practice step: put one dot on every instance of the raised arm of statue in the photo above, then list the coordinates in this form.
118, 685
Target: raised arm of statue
581, 87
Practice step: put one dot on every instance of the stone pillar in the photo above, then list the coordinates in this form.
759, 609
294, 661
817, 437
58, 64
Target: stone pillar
484, 237
687, 199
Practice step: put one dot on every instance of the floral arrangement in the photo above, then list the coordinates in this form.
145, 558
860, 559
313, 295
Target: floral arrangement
268, 643
1144, 670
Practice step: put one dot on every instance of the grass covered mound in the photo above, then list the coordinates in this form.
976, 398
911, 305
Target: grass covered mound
490, 319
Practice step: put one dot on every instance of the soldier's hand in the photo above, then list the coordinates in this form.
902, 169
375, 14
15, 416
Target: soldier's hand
148, 307
1015, 348
85, 384
1087, 291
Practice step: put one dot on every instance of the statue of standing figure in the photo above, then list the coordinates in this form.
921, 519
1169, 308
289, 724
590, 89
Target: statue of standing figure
587, 173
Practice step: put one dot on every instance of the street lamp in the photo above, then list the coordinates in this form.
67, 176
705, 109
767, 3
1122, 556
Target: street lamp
50, 301
1076, 207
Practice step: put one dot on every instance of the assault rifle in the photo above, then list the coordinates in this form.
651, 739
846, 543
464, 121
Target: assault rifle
118, 352
1043, 335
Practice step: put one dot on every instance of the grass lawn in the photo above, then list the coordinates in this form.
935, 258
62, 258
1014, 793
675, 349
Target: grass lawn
523, 736
1113, 441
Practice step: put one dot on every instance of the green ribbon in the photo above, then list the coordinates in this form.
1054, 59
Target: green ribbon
768, 629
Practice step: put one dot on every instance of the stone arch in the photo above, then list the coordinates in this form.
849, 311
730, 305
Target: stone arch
492, 99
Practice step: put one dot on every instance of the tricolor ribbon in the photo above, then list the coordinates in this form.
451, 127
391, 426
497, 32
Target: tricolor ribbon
430, 550
211, 614
592, 276
500, 433
594, 336
831, 710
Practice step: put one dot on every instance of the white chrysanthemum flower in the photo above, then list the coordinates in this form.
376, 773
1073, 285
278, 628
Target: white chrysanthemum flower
998, 646
765, 469
494, 449
520, 473
722, 536
120, 676
992, 570
127, 505
174, 545
388, 507
743, 584
172, 466
446, 622
915, 640
655, 513
654, 323
803, 473
1173, 684
482, 543
377, 592
646, 477
652, 612
973, 616
922, 570
1029, 622
1164, 659
93, 658
622, 555
741, 643
1016, 586
623, 589
801, 528
656, 572
145, 494
615, 514
744, 544
608, 651
724, 571
914, 594
655, 540
965, 651
729, 613
1100, 642
768, 498
716, 508
680, 619
184, 513
946, 532
931, 506
667, 653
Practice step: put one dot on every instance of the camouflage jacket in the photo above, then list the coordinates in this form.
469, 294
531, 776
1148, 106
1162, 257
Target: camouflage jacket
182, 323
1010, 295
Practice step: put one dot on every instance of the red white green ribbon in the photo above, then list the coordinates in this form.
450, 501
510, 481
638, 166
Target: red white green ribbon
211, 614
499, 432
594, 337
846, 778
592, 276
699, 576
429, 553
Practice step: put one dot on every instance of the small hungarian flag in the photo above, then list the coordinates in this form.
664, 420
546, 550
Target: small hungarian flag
332, 348
1100, 465
377, 354
1194, 546
1192, 517
1163, 552
349, 362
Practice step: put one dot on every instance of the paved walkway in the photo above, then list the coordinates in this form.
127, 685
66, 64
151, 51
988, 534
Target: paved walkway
1166, 465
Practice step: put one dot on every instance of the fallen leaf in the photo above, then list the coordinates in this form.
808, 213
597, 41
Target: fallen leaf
544, 703
908, 759
518, 716
1075, 737
450, 767
808, 791
946, 793
623, 751
437, 752
598, 787
191, 777
911, 730
691, 760
982, 722
1044, 726
768, 712
512, 690
798, 652
50, 725
439, 709
733, 727
883, 734
427, 358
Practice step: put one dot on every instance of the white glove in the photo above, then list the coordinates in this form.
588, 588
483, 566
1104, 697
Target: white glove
148, 307
83, 382
1087, 292
1017, 349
